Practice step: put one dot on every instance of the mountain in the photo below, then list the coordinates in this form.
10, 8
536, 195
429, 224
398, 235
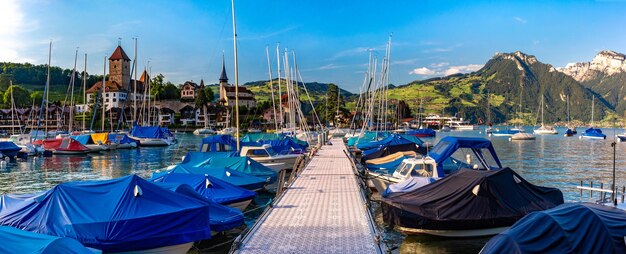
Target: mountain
504, 77
317, 91
605, 75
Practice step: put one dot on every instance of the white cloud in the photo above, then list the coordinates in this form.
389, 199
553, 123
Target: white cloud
422, 71
462, 69
439, 65
14, 25
520, 20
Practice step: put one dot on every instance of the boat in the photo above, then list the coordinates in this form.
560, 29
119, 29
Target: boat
422, 131
237, 178
440, 161
571, 131
227, 131
592, 133
266, 155
121, 141
468, 203
212, 188
391, 144
246, 165
508, 132
460, 125
87, 141
63, 146
522, 136
152, 136
28, 242
204, 131
543, 129
9, 149
567, 228
119, 215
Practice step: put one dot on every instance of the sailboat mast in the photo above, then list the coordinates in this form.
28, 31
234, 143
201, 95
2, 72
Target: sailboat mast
103, 89
269, 69
236, 76
568, 125
280, 93
71, 121
12, 108
47, 90
593, 102
134, 84
85, 91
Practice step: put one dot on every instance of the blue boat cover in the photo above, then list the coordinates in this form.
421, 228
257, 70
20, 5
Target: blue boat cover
197, 159
448, 145
120, 138
391, 140
243, 164
223, 173
568, 228
209, 187
594, 132
9, 148
285, 145
150, 132
506, 132
84, 139
254, 137
569, 131
218, 143
123, 214
408, 185
386, 168
367, 137
221, 217
422, 132
19, 241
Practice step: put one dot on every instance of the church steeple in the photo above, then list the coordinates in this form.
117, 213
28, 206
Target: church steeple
223, 77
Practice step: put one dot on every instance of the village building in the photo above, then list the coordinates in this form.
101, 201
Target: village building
227, 93
189, 90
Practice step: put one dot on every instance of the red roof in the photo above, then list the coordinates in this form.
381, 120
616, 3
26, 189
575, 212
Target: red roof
119, 54
112, 86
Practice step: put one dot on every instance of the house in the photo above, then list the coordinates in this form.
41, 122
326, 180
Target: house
227, 93
189, 90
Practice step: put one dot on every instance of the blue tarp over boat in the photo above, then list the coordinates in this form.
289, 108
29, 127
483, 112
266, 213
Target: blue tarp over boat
19, 241
244, 165
150, 132
197, 159
594, 133
254, 137
391, 140
9, 148
221, 217
209, 187
448, 145
568, 228
391, 144
84, 139
120, 138
123, 214
223, 173
284, 145
367, 137
218, 143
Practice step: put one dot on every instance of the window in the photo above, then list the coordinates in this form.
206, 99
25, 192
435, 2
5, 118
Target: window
107, 100
114, 100
106, 94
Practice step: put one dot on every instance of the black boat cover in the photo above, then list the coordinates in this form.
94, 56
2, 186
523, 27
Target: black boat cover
469, 199
568, 228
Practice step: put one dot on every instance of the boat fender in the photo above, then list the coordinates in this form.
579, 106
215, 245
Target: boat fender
138, 192
207, 183
227, 173
475, 190
3, 164
580, 137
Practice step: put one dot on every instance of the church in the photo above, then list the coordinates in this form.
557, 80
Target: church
227, 93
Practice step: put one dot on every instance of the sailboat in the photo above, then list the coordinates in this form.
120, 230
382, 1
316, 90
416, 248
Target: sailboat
421, 131
593, 133
521, 135
571, 131
544, 129
206, 130
489, 128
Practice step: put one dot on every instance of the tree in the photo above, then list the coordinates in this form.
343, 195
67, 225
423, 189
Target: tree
21, 96
403, 109
36, 96
157, 86
170, 92
201, 99
208, 92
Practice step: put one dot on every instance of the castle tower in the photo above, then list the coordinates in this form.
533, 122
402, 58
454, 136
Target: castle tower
119, 67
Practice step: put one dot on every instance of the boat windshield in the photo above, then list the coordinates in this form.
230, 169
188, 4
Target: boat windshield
423, 170
404, 168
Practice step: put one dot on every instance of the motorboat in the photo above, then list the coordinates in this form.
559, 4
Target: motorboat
245, 165
234, 177
212, 188
567, 228
440, 161
571, 131
592, 133
227, 131
29, 242
460, 124
422, 132
152, 136
468, 203
119, 215
9, 149
204, 131
121, 141
545, 130
392, 143
508, 132
266, 155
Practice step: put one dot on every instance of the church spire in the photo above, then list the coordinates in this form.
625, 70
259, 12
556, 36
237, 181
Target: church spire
223, 77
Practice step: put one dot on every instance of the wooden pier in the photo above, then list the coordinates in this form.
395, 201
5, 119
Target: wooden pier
323, 210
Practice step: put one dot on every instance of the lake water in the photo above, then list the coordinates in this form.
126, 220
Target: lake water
550, 160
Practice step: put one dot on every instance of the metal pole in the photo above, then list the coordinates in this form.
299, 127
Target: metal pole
236, 77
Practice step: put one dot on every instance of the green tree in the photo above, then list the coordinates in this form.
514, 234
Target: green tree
36, 96
201, 100
170, 92
208, 92
21, 96
157, 87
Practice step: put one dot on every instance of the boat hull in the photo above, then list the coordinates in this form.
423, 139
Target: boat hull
592, 137
452, 233
241, 205
204, 132
154, 142
69, 152
545, 132
173, 249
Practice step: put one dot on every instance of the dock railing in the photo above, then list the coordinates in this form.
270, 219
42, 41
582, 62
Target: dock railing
602, 195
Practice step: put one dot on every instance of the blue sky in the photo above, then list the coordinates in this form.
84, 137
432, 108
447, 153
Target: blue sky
184, 40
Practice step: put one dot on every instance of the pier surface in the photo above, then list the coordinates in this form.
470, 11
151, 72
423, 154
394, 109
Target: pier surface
322, 211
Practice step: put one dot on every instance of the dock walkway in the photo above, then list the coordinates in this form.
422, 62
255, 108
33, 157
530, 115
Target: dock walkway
322, 211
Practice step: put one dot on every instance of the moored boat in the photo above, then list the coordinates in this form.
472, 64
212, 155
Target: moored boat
522, 136
63, 146
152, 136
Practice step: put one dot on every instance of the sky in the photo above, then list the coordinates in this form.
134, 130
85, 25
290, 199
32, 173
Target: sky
184, 40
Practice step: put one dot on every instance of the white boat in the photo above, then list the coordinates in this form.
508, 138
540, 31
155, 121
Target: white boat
227, 131
544, 129
422, 167
204, 131
155, 141
268, 157
460, 124
94, 148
